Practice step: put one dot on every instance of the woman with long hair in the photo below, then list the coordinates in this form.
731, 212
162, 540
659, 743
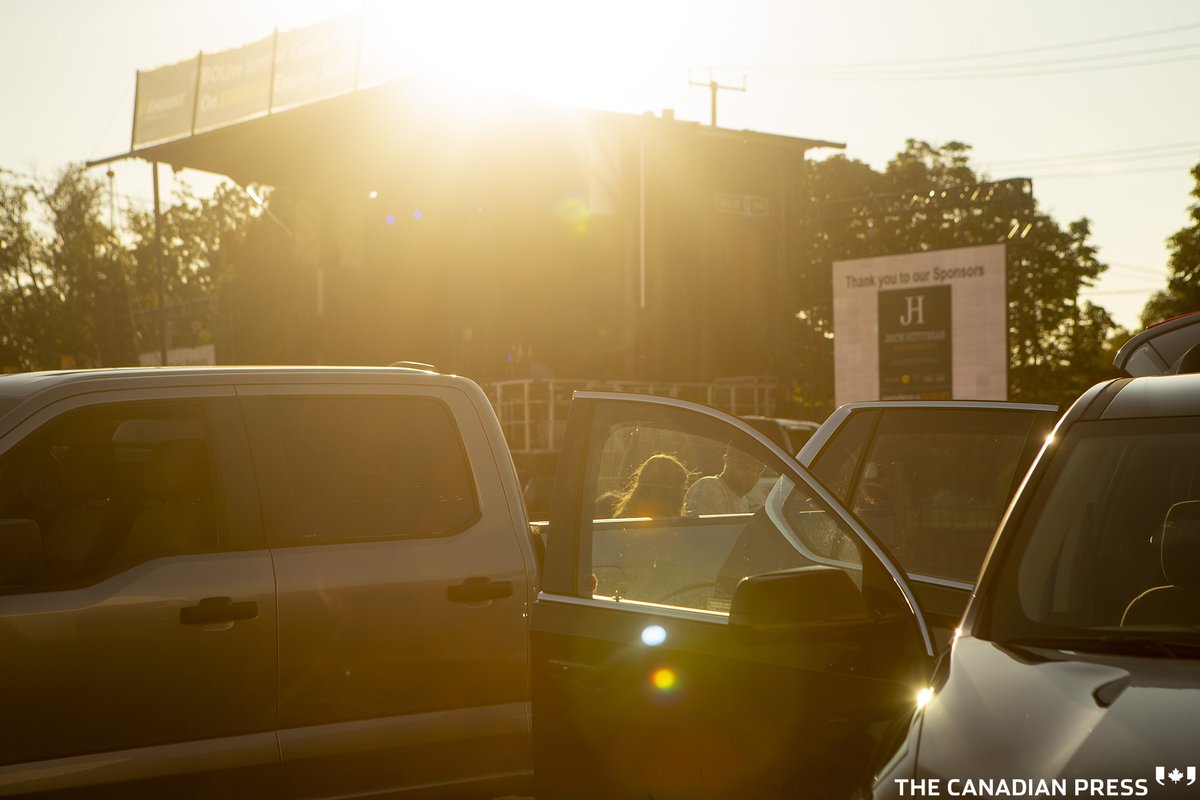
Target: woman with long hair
655, 489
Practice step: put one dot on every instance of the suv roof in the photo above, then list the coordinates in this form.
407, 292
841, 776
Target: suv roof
1156, 396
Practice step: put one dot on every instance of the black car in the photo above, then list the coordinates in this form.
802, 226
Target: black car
1075, 670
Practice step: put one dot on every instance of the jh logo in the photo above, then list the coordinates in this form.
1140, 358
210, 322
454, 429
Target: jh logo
915, 311
1175, 776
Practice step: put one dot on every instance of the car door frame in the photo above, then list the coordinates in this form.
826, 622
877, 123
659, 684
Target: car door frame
216, 765
565, 598
332, 752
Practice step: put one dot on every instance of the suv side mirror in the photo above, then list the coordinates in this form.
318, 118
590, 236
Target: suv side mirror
808, 603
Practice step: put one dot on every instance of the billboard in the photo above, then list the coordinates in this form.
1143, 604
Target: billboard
166, 99
921, 326
283, 70
316, 62
234, 84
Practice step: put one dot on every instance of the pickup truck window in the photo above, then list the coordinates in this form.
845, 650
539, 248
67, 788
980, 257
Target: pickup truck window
363, 468
99, 490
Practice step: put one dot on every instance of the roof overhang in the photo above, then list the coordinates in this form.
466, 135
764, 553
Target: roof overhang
353, 134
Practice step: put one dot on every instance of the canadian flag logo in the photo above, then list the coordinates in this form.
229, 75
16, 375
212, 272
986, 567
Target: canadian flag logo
1174, 776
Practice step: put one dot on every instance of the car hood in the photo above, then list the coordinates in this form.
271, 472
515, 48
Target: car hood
1005, 712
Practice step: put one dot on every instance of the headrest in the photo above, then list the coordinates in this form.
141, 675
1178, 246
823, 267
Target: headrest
1181, 544
177, 471
20, 551
87, 470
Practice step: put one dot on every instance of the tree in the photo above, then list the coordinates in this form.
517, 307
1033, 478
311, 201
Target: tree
201, 239
56, 257
1182, 294
930, 198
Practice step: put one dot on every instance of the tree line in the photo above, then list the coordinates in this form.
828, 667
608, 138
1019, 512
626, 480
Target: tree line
77, 292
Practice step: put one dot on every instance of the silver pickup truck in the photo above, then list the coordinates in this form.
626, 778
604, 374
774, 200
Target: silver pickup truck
320, 582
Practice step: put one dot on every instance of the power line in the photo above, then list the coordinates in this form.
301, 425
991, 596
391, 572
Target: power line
1135, 268
1112, 172
1130, 153
1049, 62
1121, 291
1020, 72
976, 56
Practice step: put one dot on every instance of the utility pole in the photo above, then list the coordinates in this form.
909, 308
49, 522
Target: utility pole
162, 282
713, 88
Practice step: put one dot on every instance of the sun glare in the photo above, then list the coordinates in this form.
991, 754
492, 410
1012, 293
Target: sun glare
562, 52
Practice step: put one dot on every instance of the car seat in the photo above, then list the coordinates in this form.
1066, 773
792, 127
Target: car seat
178, 516
1177, 603
77, 534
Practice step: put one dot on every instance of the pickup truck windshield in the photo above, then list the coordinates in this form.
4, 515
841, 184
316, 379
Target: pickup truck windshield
1110, 547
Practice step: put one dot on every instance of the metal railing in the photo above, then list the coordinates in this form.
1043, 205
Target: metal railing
533, 412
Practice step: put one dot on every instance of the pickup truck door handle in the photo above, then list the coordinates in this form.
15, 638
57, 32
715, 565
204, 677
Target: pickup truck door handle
216, 610
478, 590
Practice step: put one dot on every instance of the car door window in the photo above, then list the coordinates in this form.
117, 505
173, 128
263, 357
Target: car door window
106, 488
935, 483
835, 464
683, 509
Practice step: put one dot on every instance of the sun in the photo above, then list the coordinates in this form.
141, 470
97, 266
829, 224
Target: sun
615, 57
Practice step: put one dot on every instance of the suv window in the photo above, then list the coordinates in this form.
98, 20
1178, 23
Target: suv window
101, 489
936, 481
361, 468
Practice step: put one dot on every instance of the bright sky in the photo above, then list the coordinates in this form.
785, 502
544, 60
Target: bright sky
1044, 112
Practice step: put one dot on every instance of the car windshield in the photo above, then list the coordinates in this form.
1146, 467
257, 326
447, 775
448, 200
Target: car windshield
1109, 550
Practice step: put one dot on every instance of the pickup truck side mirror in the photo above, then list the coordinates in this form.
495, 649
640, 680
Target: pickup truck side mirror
809, 603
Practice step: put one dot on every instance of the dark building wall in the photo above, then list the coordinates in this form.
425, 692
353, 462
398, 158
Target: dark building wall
500, 259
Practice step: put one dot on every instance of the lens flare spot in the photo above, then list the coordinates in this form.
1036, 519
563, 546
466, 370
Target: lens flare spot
417, 213
924, 696
390, 219
654, 635
574, 212
664, 679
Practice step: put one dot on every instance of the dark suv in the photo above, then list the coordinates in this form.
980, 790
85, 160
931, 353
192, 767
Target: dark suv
1075, 666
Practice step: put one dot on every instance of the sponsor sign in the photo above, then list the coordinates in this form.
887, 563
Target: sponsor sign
234, 84
316, 62
280, 71
165, 99
915, 355
203, 355
921, 326
743, 205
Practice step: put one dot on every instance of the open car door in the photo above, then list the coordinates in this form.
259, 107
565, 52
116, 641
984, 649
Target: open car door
682, 648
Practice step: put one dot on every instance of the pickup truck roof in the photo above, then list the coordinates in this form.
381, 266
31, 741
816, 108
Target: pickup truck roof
35, 389
25, 384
